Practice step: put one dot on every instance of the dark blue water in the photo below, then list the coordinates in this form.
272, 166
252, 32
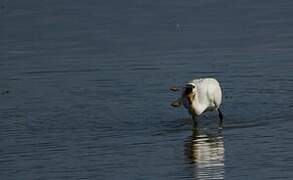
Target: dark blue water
84, 89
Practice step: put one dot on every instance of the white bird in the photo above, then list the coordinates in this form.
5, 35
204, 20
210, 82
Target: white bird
199, 96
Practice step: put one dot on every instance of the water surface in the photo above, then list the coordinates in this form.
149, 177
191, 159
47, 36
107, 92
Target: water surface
84, 89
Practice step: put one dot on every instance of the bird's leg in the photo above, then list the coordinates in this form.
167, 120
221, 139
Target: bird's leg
194, 118
220, 116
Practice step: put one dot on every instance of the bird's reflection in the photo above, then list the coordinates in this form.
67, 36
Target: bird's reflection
206, 154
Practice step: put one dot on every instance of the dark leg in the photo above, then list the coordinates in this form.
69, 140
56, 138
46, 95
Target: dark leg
194, 118
220, 116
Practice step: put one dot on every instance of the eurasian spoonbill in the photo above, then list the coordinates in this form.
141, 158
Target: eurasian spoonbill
199, 96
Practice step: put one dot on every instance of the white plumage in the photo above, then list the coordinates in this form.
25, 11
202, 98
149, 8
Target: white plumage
199, 96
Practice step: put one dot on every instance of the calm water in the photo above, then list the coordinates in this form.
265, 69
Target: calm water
84, 89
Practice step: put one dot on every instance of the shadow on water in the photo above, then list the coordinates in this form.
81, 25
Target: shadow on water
205, 152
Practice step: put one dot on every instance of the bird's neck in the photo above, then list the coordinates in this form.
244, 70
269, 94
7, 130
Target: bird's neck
198, 107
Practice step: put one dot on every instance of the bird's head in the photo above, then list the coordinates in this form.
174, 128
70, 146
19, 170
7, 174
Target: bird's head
189, 92
188, 89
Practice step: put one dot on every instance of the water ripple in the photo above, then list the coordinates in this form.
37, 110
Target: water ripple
206, 153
